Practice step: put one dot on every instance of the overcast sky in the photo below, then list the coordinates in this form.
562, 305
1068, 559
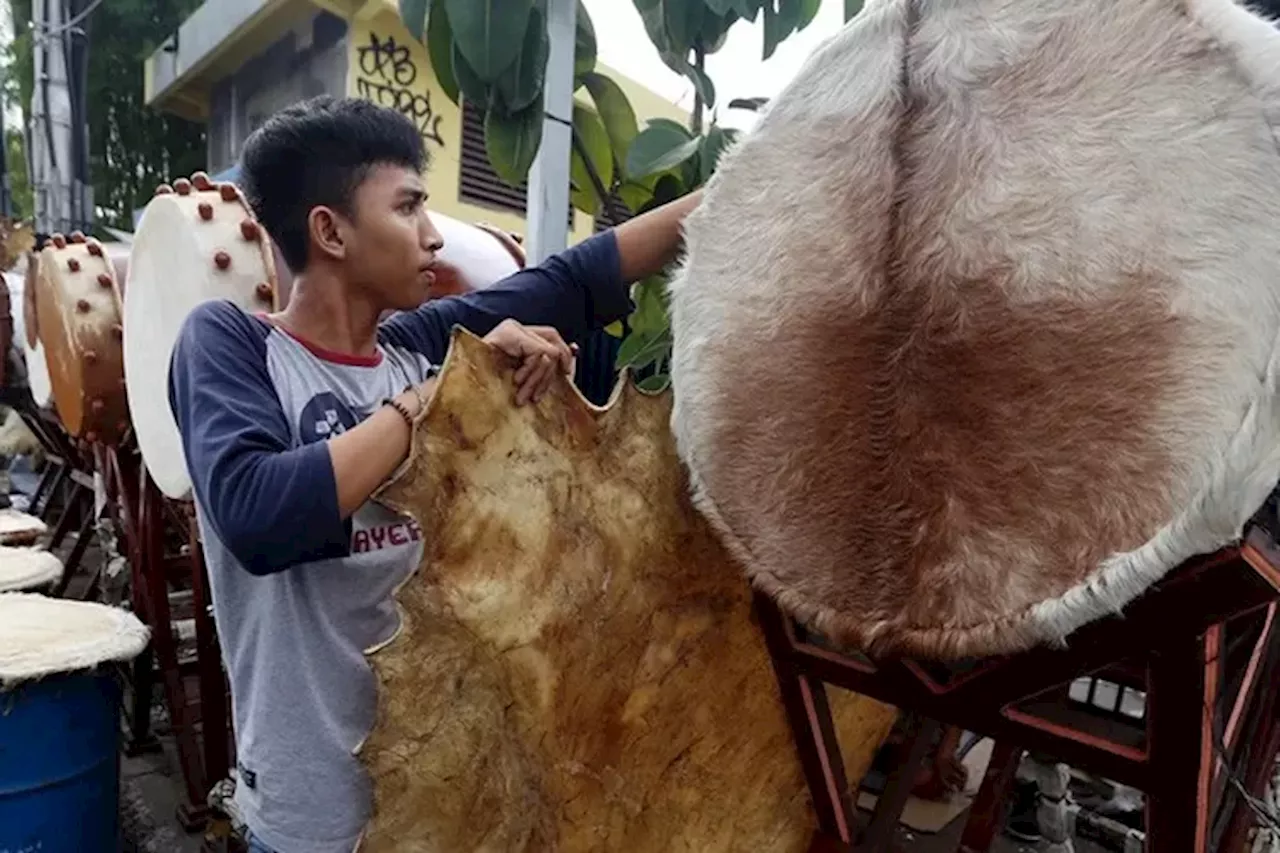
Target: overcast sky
736, 69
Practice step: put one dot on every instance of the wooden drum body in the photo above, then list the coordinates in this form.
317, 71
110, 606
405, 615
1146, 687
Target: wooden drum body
196, 242
77, 313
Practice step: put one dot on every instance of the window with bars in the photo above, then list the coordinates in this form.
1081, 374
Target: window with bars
613, 213
478, 183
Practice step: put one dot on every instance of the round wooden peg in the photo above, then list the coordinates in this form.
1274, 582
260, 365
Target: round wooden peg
76, 237
249, 230
228, 192
200, 180
206, 211
264, 291
222, 260
95, 248
73, 264
164, 189
82, 305
104, 280
182, 186
59, 241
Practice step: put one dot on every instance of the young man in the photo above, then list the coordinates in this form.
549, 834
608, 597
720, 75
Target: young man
290, 422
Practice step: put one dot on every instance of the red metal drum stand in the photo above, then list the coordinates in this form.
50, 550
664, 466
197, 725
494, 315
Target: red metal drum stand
164, 556
1210, 732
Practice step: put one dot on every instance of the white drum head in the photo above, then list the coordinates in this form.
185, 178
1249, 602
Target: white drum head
479, 255
42, 636
27, 569
192, 246
37, 373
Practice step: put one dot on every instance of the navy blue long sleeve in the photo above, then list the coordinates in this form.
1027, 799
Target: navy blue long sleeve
260, 469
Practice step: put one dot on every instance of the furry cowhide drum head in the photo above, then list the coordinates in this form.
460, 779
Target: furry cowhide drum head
577, 669
976, 335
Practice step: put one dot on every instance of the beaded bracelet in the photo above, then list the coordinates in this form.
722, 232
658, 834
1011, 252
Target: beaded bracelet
400, 407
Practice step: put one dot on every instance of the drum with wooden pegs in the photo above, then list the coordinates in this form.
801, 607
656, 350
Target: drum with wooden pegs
77, 306
197, 241
474, 256
59, 723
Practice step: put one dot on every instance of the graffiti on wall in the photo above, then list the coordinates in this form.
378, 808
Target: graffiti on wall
387, 75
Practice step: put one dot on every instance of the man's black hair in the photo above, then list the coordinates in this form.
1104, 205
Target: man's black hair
318, 152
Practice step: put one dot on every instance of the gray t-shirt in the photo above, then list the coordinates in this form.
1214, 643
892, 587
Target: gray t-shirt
299, 593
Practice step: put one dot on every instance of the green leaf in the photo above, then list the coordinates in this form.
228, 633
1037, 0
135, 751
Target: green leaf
808, 11
614, 329
472, 87
615, 111
683, 21
512, 141
703, 84
779, 23
669, 187
748, 9
523, 80
655, 384
638, 351
584, 43
440, 51
414, 15
715, 31
673, 125
753, 104
489, 32
634, 195
851, 9
657, 149
720, 7
590, 131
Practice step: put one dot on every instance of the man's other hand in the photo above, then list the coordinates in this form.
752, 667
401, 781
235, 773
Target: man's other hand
541, 354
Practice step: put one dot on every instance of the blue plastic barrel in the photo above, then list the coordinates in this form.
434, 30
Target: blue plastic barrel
60, 765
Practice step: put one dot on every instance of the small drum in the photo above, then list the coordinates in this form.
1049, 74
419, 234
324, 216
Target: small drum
18, 528
28, 569
196, 242
77, 310
59, 723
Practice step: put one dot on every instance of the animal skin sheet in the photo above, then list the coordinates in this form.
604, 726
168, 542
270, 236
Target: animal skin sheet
577, 669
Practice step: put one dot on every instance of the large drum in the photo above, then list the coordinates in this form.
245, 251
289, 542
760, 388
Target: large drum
473, 257
59, 730
976, 337
196, 242
77, 319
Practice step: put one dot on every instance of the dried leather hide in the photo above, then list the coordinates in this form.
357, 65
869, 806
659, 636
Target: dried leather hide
577, 670
976, 334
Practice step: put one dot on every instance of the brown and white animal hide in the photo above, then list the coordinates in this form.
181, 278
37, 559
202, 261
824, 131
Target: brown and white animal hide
577, 669
976, 334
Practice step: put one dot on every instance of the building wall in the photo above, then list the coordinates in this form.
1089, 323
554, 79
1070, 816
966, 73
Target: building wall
307, 60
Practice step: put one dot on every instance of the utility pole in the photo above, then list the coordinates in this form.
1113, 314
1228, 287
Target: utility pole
52, 163
549, 177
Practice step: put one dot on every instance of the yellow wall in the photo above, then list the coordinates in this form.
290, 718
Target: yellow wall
389, 66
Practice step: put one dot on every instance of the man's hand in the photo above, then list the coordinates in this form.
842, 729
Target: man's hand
542, 354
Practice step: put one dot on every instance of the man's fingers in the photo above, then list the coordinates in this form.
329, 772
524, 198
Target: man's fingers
535, 383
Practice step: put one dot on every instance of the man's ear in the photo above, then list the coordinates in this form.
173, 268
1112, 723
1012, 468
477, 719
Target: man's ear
327, 230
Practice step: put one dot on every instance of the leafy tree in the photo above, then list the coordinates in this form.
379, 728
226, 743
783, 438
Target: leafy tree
494, 54
132, 147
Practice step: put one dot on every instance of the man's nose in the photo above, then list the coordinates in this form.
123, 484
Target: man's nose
432, 241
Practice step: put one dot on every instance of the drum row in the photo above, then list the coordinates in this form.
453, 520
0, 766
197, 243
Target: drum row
100, 331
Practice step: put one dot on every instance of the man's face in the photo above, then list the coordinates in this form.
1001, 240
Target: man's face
391, 244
